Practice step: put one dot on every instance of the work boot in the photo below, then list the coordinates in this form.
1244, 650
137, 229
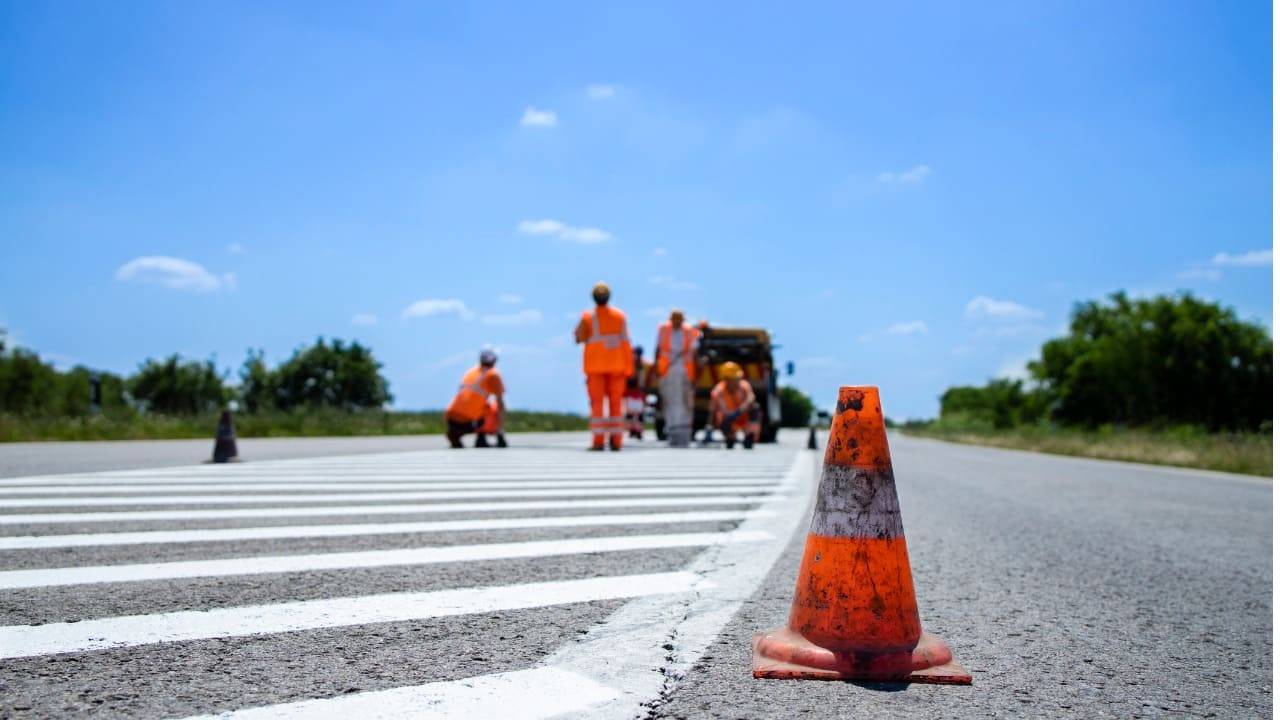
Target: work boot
596, 448
615, 445
482, 440
748, 441
502, 440
455, 441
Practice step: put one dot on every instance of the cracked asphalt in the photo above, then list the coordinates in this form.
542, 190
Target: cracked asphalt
1068, 587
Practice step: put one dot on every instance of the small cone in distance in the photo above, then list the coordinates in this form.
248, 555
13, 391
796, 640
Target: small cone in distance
854, 616
224, 445
813, 438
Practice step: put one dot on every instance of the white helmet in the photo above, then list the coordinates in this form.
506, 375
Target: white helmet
488, 357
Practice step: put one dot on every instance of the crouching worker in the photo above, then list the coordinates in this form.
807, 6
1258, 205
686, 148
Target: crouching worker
472, 410
734, 407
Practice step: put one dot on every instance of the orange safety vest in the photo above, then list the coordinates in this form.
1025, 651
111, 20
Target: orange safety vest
469, 403
727, 401
689, 336
608, 347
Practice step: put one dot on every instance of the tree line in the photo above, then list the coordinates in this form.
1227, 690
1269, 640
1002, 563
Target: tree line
326, 374
1162, 361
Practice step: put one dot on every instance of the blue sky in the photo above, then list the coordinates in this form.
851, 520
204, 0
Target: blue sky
910, 196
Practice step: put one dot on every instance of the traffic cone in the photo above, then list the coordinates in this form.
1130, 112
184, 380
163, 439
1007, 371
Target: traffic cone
854, 615
813, 438
224, 446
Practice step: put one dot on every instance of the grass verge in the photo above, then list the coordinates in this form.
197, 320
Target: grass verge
1248, 453
323, 423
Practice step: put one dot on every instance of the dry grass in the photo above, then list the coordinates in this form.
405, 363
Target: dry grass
1248, 453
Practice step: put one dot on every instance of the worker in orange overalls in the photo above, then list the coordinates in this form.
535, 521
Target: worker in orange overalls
677, 371
472, 410
607, 361
734, 407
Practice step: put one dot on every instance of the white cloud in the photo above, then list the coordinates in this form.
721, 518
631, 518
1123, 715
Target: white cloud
660, 252
1016, 368
555, 228
1253, 258
457, 358
1200, 273
174, 273
237, 249
601, 91
914, 176
528, 316
510, 299
434, 306
364, 319
657, 312
983, 307
671, 283
914, 327
534, 117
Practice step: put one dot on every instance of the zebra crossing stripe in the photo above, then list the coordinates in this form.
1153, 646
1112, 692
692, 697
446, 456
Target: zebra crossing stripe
544, 692
279, 532
312, 562
393, 509
189, 625
597, 482
240, 499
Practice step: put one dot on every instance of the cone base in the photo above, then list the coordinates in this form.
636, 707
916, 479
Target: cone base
785, 654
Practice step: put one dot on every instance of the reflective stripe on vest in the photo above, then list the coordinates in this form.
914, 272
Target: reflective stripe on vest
477, 387
612, 341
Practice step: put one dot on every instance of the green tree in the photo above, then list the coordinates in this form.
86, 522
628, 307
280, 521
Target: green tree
332, 374
28, 385
1001, 403
797, 407
179, 388
1160, 360
257, 384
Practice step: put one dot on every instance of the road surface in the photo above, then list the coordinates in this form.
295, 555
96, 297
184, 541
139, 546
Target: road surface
543, 580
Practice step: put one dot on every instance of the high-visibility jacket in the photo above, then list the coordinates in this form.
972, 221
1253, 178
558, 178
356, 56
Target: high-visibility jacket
608, 347
685, 340
478, 384
725, 400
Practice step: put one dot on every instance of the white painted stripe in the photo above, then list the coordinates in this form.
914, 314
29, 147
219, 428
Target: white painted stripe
31, 484
132, 630
545, 692
280, 532
397, 509
238, 499
596, 482
620, 654
312, 562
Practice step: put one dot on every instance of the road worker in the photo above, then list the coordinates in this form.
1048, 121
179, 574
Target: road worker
637, 393
734, 407
473, 410
677, 369
607, 362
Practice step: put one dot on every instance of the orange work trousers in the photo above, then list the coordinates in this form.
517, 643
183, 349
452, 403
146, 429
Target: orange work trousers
599, 387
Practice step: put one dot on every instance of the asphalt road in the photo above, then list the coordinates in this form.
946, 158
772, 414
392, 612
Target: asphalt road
543, 580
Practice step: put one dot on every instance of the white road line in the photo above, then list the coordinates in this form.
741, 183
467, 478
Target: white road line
311, 562
595, 482
27, 484
238, 499
394, 509
280, 532
133, 630
545, 692
621, 654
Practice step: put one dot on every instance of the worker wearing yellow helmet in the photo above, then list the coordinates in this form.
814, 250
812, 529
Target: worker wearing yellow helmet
607, 361
734, 407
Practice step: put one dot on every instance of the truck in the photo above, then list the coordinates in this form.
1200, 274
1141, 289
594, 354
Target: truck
752, 349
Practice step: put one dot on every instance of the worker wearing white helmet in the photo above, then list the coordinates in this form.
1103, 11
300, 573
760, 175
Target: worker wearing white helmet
478, 407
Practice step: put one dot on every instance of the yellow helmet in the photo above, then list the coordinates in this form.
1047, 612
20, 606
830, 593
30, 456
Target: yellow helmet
600, 292
730, 371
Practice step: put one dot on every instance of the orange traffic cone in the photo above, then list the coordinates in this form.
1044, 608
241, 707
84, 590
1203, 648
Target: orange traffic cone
224, 444
854, 616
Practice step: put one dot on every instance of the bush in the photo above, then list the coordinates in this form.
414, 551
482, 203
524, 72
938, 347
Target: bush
797, 407
333, 375
175, 387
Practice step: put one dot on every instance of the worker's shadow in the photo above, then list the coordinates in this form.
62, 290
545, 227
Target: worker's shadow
880, 686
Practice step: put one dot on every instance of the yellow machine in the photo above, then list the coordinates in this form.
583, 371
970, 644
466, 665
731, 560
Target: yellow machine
750, 348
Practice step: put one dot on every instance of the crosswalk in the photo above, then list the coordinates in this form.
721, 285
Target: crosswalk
528, 582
